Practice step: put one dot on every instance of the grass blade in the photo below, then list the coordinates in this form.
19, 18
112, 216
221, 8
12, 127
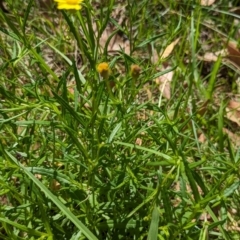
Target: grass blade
153, 231
55, 200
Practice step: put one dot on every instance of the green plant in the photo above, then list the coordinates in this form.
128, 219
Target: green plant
85, 154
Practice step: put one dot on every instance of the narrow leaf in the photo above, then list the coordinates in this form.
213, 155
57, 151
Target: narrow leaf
55, 200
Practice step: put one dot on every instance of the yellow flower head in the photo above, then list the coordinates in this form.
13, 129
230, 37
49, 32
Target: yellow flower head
69, 4
135, 71
104, 70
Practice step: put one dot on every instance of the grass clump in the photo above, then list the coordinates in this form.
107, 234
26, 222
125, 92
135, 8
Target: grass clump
86, 153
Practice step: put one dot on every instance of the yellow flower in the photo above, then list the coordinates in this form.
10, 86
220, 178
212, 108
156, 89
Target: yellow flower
104, 70
69, 4
135, 71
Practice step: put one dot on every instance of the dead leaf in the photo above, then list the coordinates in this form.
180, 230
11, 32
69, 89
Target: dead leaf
202, 138
38, 176
164, 83
233, 111
209, 57
234, 105
232, 116
117, 42
234, 228
154, 54
212, 57
207, 2
138, 142
168, 50
233, 137
233, 53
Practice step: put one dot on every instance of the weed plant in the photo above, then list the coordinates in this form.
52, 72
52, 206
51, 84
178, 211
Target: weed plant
84, 154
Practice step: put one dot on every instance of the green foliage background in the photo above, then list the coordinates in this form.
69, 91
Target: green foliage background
87, 161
